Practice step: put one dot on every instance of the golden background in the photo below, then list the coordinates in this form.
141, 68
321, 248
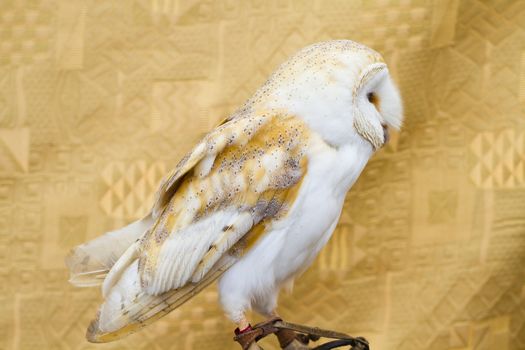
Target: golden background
98, 99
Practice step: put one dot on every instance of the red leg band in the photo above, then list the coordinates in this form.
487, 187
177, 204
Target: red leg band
241, 331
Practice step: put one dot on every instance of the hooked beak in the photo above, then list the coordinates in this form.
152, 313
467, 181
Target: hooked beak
386, 136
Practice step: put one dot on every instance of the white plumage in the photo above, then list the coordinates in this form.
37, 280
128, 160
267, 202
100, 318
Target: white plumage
256, 199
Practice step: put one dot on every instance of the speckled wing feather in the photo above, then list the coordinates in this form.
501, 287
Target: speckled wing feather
244, 177
216, 203
228, 133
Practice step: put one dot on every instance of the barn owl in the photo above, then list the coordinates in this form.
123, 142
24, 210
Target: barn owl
255, 200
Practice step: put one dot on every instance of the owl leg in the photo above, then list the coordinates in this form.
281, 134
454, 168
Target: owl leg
243, 324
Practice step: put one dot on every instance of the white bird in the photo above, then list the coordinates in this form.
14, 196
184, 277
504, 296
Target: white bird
255, 201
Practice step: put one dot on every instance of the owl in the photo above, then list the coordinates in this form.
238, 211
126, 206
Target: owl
255, 200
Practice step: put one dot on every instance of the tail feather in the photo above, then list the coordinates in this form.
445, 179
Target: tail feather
128, 308
120, 267
89, 263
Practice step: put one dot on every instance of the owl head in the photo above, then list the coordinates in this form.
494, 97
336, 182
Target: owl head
341, 89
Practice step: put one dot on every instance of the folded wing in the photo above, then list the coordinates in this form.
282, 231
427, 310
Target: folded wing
209, 210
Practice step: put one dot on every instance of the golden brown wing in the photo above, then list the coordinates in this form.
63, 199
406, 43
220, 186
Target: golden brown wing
224, 196
242, 176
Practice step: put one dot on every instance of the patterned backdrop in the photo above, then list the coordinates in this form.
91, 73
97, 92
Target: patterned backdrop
98, 99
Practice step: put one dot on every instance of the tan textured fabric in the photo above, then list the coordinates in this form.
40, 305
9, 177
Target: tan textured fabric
98, 99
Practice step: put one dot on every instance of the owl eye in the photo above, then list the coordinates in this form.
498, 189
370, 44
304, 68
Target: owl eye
373, 99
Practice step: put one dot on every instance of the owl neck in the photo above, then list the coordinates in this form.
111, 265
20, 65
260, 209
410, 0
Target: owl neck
339, 167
